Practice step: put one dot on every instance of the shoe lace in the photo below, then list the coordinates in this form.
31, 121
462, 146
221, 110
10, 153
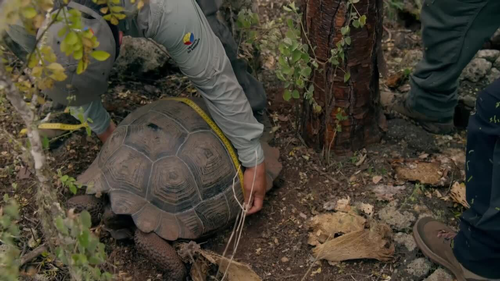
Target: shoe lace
448, 236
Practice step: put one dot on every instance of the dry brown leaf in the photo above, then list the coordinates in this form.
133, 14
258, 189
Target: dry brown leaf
438, 172
343, 205
199, 270
372, 243
457, 193
236, 272
325, 225
376, 179
366, 208
457, 155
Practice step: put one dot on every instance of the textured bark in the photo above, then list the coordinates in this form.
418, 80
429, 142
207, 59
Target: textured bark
359, 97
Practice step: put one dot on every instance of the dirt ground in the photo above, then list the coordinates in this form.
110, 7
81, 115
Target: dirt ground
275, 241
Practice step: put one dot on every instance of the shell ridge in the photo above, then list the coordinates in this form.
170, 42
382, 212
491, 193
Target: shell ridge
136, 150
235, 169
194, 179
182, 144
228, 208
149, 180
169, 117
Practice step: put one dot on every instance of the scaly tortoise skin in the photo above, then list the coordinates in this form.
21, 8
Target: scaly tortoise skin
166, 168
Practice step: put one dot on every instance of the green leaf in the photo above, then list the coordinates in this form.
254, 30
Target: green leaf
362, 20
287, 95
315, 64
55, 67
348, 40
356, 23
300, 83
72, 188
288, 70
71, 38
345, 30
78, 54
117, 9
60, 226
86, 219
84, 238
286, 8
354, 1
62, 31
64, 178
297, 54
347, 76
80, 68
45, 142
306, 72
29, 12
100, 55
295, 94
289, 22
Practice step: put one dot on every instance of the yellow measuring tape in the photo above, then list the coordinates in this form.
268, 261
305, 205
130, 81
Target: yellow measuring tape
217, 131
57, 126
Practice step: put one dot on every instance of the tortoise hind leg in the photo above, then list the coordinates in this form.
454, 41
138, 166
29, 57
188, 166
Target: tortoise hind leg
90, 203
161, 254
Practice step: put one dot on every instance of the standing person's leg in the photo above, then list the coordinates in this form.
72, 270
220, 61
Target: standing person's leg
452, 33
473, 253
253, 89
477, 245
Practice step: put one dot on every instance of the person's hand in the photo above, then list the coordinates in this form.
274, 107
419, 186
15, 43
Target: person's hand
109, 131
255, 176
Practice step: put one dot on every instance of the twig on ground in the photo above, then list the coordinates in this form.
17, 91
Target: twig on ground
33, 254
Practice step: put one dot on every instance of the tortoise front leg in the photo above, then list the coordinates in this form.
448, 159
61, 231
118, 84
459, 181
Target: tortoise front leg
162, 254
90, 203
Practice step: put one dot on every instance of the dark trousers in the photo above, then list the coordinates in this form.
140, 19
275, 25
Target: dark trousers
452, 33
477, 245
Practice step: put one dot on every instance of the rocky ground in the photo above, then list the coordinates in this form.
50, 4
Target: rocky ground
383, 189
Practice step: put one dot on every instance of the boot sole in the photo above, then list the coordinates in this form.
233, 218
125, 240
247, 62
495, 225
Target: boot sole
435, 258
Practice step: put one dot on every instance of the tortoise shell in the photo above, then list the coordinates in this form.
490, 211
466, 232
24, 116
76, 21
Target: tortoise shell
167, 168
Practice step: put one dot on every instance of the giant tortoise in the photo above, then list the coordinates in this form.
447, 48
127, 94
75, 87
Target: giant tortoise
166, 172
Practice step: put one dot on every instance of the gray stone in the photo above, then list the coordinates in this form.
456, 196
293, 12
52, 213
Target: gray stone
393, 217
440, 275
412, 57
476, 70
489, 55
469, 101
139, 56
494, 75
406, 240
496, 64
419, 267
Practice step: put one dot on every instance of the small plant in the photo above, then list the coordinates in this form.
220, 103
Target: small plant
9, 231
80, 250
68, 182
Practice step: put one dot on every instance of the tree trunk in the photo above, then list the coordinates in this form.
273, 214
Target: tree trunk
358, 98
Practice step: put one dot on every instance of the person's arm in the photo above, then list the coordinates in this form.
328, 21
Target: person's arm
182, 28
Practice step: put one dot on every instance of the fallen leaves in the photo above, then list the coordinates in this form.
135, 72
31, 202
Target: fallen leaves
328, 225
439, 171
235, 271
355, 240
457, 193
376, 179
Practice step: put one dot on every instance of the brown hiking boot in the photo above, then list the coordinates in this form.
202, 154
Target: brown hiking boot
434, 126
435, 240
